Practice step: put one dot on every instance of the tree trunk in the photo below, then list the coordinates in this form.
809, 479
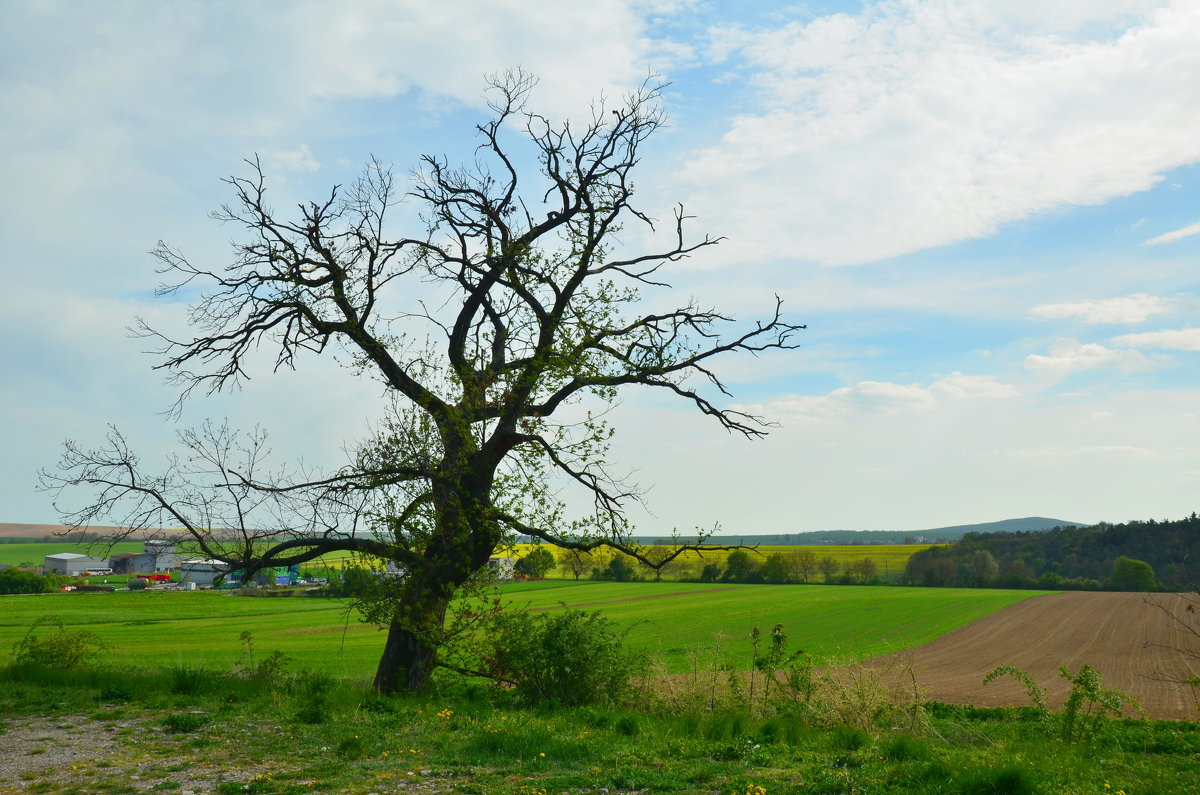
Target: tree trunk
409, 655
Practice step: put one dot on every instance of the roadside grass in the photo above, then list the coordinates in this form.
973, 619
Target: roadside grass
237, 734
833, 624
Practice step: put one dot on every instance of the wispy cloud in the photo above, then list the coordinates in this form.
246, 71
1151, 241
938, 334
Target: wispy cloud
1070, 354
885, 397
915, 125
1184, 339
1178, 234
1129, 309
298, 159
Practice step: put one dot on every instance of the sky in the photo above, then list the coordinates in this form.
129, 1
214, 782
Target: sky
986, 212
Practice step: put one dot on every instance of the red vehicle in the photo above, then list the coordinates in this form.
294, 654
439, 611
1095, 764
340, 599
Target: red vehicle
155, 577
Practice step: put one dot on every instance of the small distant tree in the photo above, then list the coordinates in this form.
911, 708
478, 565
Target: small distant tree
982, 569
802, 565
829, 568
863, 570
739, 567
619, 569
710, 573
536, 563
1016, 574
576, 562
1131, 575
775, 570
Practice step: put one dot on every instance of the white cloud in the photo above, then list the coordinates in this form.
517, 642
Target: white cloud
915, 125
298, 159
884, 397
1129, 309
1184, 339
1069, 354
1171, 237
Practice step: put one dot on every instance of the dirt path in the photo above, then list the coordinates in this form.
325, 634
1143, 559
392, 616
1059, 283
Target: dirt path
1119, 634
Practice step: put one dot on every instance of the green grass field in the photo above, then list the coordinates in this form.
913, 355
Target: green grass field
832, 623
35, 554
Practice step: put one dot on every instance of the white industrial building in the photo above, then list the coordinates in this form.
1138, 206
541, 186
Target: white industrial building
156, 556
73, 564
201, 572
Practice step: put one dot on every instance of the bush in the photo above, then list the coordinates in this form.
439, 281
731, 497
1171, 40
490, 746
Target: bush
61, 648
619, 569
21, 581
572, 657
183, 723
188, 680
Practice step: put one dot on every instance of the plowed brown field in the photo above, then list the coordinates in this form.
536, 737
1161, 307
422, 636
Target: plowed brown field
1122, 635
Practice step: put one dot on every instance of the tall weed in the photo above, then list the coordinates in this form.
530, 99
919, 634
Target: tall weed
58, 647
1089, 704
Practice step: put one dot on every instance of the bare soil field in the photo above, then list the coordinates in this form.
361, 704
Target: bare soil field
16, 530
1122, 635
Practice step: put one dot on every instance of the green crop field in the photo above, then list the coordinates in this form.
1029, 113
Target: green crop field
35, 554
833, 623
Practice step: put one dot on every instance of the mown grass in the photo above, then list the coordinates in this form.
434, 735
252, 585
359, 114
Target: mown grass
235, 735
831, 623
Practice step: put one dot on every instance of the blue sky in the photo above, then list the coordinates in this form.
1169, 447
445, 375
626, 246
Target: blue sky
988, 214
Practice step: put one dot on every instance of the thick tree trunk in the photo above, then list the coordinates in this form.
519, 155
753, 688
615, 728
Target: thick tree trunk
409, 654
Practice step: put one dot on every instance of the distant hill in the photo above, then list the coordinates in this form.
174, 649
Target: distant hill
842, 537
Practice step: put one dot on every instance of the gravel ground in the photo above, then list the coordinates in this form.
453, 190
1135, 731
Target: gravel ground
81, 754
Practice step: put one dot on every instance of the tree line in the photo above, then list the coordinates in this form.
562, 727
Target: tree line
740, 566
1133, 556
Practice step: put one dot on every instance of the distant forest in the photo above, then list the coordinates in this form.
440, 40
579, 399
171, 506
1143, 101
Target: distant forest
1101, 556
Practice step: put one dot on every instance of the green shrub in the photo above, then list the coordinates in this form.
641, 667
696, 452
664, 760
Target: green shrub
850, 738
188, 680
351, 747
59, 648
312, 714
1088, 704
1005, 781
571, 657
627, 725
903, 748
183, 723
113, 694
16, 580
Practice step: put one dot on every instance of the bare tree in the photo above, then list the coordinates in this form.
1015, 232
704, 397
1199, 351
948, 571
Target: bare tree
524, 309
829, 568
576, 561
802, 564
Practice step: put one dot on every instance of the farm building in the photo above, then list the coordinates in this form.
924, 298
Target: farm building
201, 572
163, 552
72, 564
155, 556
501, 567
